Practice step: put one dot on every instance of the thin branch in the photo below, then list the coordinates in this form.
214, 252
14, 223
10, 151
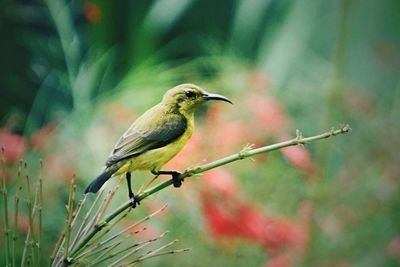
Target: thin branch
18, 189
29, 239
69, 217
5, 215
39, 208
246, 153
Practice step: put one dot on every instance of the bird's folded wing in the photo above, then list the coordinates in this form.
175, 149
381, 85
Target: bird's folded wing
138, 140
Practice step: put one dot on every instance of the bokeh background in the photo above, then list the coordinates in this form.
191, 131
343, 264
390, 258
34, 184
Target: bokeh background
75, 74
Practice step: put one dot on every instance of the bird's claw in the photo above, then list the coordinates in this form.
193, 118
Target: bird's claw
175, 179
134, 200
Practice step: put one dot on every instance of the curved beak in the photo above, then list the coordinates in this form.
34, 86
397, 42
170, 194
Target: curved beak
209, 96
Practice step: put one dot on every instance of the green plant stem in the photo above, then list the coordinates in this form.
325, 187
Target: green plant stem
29, 240
70, 216
38, 208
6, 221
245, 153
18, 189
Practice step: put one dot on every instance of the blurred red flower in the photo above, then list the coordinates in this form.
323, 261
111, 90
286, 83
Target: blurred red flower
298, 156
92, 12
268, 112
259, 81
58, 166
43, 137
23, 223
227, 216
223, 132
220, 181
13, 144
119, 115
283, 260
393, 247
358, 103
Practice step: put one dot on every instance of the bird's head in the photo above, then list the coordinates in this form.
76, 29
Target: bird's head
187, 96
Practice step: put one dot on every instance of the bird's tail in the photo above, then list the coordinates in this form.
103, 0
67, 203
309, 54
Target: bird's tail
95, 186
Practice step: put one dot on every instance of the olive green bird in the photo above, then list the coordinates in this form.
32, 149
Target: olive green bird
155, 137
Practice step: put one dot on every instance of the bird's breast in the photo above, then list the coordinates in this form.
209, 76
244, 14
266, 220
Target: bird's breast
156, 158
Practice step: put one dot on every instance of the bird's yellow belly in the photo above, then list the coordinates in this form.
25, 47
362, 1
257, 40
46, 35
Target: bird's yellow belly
156, 158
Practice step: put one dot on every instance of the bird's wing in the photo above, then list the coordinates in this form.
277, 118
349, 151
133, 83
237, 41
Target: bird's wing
142, 138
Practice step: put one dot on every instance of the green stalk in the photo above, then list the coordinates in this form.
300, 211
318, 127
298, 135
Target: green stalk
135, 224
93, 243
69, 219
86, 219
16, 213
38, 210
137, 247
159, 254
6, 226
26, 256
105, 255
75, 216
153, 253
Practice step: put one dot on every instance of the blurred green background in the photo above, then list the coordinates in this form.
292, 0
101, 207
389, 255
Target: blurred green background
75, 74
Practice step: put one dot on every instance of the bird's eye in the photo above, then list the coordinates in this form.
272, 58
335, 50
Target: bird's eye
190, 94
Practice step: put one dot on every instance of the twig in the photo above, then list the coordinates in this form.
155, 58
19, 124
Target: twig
138, 247
81, 229
18, 187
29, 240
148, 217
69, 219
37, 208
154, 253
4, 193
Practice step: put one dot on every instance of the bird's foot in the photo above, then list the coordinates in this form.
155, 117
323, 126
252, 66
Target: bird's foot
134, 200
176, 181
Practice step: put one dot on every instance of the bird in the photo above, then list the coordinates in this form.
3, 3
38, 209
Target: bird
155, 138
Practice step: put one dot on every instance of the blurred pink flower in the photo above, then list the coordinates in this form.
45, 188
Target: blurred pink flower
283, 260
393, 247
222, 131
92, 12
331, 225
43, 137
259, 81
23, 223
387, 53
358, 103
58, 166
298, 156
229, 135
221, 182
13, 144
119, 115
268, 112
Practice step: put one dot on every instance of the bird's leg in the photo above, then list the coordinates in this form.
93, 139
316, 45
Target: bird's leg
175, 176
132, 196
